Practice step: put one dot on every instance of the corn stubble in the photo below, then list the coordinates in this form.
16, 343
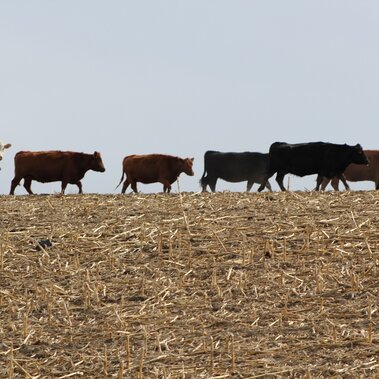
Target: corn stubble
190, 285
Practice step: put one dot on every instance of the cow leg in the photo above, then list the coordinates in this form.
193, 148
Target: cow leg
334, 182
249, 185
166, 186
377, 185
268, 186
79, 184
133, 184
63, 187
263, 185
15, 182
319, 180
125, 185
343, 180
212, 184
27, 185
279, 179
204, 183
324, 182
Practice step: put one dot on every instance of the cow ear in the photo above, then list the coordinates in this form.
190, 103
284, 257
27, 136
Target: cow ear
96, 154
191, 159
7, 146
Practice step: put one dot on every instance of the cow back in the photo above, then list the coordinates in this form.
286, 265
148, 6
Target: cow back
298, 159
54, 165
151, 168
235, 166
322, 158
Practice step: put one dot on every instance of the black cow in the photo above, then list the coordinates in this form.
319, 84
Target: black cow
322, 158
234, 167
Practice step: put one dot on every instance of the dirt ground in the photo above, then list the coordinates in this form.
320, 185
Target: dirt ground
226, 285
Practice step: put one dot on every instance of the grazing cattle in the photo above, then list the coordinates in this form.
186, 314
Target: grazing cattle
358, 173
52, 166
153, 168
322, 158
3, 146
234, 167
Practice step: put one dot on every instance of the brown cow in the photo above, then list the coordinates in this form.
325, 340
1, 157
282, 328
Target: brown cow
52, 166
153, 168
358, 173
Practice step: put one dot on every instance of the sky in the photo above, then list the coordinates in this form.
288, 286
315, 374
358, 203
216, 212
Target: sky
182, 77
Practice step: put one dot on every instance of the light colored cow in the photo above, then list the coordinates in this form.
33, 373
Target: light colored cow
3, 146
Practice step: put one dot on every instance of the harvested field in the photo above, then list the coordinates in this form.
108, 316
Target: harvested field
227, 285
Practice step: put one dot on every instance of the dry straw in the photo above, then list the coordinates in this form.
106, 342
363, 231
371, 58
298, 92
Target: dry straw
190, 285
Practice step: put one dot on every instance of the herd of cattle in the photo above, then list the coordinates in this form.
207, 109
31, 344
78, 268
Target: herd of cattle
330, 162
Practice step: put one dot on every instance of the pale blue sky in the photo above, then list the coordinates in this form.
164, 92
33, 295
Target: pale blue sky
183, 77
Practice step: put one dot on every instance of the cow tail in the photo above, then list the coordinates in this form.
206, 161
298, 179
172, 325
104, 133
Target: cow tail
202, 179
122, 178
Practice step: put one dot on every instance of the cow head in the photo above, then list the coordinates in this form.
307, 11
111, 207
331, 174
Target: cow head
2, 148
358, 155
187, 166
97, 163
